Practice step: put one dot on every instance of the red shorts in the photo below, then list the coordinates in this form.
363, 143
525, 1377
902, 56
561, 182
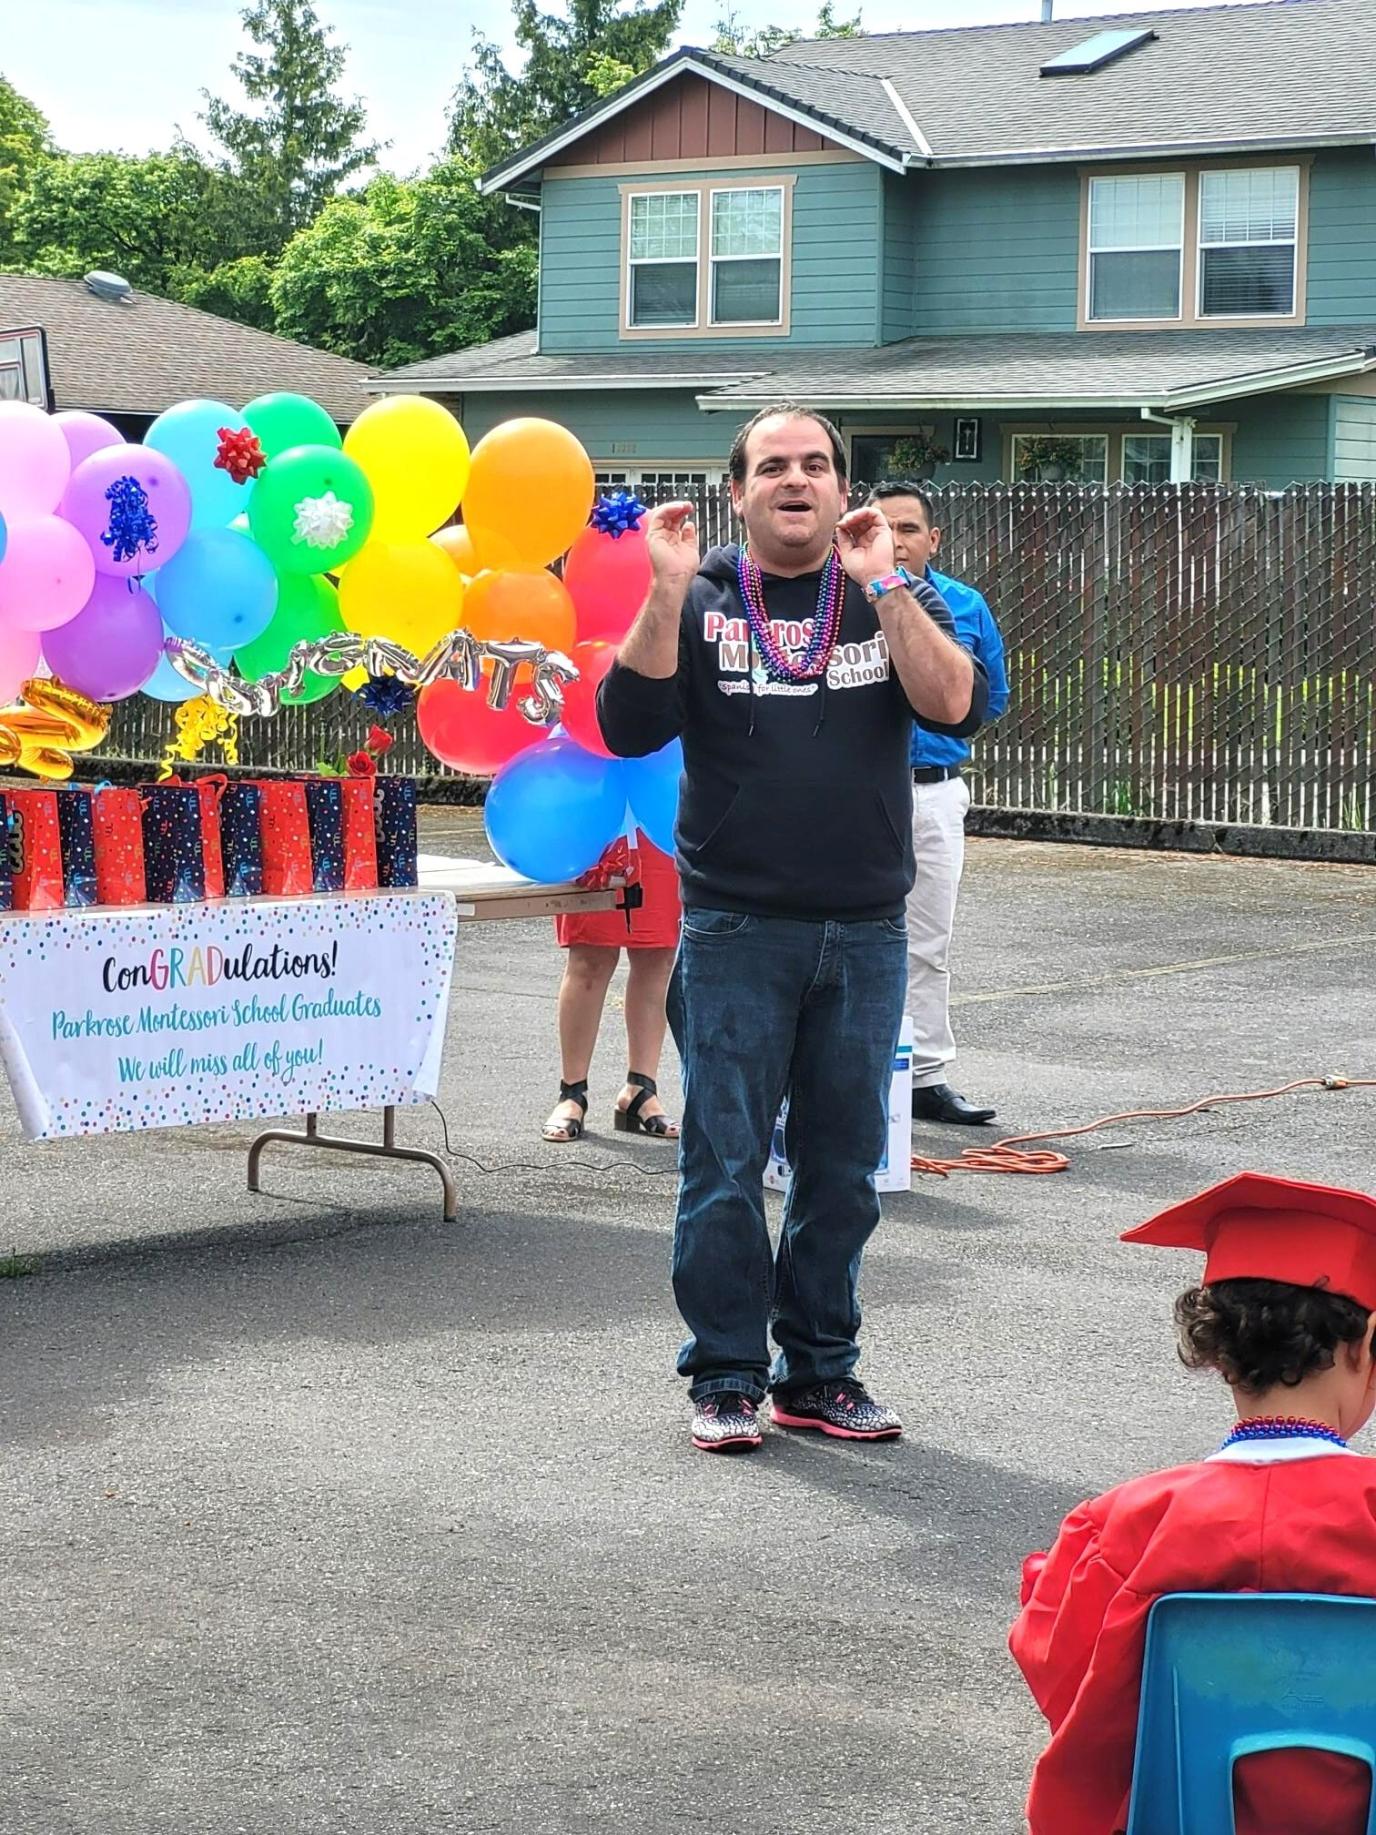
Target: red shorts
654, 923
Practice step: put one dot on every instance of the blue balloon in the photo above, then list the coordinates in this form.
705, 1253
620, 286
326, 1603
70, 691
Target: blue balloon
552, 810
4, 538
165, 684
189, 435
218, 590
652, 792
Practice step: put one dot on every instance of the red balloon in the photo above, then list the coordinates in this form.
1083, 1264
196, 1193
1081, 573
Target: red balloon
579, 718
609, 578
466, 734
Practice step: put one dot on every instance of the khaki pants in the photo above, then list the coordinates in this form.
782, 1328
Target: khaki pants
939, 847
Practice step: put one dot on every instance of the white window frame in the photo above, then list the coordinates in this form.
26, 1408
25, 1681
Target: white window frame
703, 325
1179, 247
708, 229
664, 261
1154, 433
1192, 273
1229, 318
1117, 433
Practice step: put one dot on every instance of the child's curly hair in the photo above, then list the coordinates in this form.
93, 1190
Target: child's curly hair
1260, 1334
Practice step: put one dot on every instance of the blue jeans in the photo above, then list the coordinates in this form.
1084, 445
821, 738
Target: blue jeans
759, 1007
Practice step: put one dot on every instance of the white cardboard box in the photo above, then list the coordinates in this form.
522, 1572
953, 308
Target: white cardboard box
895, 1170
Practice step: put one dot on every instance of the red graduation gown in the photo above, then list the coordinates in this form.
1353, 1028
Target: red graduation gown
1284, 1516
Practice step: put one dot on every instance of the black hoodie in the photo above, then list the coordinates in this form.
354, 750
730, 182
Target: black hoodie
796, 800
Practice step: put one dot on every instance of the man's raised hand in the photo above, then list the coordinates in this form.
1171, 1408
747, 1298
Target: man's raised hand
865, 542
671, 536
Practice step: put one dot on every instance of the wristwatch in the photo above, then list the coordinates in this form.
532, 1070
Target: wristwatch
887, 583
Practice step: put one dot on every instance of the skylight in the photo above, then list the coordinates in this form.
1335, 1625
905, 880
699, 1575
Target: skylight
1094, 53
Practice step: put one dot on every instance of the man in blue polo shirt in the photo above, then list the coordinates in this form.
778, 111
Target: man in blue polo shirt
941, 798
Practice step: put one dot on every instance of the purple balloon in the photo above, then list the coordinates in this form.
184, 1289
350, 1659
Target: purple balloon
131, 506
86, 433
112, 646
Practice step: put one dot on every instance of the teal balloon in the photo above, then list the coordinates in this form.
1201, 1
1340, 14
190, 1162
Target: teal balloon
553, 809
299, 495
165, 684
218, 590
282, 421
652, 792
189, 435
4, 538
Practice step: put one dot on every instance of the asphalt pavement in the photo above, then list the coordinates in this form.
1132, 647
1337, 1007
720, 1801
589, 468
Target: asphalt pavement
323, 1517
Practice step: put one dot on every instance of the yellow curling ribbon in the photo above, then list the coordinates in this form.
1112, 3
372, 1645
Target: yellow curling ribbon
201, 722
51, 722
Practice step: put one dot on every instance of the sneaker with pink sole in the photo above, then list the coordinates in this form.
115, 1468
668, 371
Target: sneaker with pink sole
843, 1408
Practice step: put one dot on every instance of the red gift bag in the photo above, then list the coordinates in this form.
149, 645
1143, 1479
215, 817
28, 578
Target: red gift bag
360, 834
35, 850
287, 870
117, 823
209, 790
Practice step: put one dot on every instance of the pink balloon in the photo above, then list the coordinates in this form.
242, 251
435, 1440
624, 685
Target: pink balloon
609, 579
86, 433
112, 646
34, 461
19, 652
90, 506
46, 576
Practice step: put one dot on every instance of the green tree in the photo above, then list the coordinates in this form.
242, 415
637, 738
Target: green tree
732, 38
240, 289
571, 61
407, 269
152, 218
25, 139
301, 140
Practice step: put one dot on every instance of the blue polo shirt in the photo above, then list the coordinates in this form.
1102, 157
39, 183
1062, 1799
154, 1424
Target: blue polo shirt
976, 629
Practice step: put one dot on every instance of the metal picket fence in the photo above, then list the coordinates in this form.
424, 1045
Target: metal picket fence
1198, 653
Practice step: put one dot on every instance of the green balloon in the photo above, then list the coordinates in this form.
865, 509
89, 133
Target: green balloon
311, 509
307, 608
282, 421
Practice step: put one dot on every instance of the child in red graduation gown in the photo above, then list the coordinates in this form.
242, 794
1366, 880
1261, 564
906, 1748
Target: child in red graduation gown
1286, 1315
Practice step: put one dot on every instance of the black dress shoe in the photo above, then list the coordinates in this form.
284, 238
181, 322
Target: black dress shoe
939, 1102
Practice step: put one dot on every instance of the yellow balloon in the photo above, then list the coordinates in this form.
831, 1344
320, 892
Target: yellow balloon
530, 492
407, 591
415, 456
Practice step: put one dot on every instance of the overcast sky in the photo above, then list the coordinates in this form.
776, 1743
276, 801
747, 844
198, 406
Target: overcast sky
124, 73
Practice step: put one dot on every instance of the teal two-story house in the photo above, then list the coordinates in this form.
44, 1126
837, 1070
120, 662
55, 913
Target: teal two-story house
1134, 248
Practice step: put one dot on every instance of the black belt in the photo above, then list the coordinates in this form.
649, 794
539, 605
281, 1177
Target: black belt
935, 774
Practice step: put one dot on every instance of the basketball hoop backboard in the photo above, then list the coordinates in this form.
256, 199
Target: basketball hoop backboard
24, 366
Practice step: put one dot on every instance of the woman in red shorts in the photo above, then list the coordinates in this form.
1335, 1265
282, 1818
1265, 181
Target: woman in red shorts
593, 944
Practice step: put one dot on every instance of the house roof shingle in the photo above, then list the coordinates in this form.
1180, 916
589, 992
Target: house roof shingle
999, 370
1283, 73
514, 362
145, 354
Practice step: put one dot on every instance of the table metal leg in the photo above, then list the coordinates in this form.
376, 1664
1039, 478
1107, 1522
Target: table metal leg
387, 1149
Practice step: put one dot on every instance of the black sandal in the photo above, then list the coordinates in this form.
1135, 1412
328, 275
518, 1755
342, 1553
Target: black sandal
561, 1133
630, 1120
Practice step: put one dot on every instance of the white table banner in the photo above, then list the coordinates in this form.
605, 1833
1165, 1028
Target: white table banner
155, 1018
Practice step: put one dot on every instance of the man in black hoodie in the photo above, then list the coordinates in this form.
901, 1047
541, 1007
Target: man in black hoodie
792, 668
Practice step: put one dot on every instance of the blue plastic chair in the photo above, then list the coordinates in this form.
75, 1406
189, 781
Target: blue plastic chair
1225, 1675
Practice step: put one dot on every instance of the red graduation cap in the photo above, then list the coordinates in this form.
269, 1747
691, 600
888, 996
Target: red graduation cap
1256, 1227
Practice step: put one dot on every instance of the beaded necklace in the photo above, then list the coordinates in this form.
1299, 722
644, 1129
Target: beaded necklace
826, 622
1281, 1427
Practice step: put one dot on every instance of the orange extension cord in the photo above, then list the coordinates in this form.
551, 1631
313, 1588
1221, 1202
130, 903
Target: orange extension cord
1003, 1156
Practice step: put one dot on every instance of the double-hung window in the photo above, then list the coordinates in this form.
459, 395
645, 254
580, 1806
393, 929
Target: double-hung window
1197, 247
663, 258
747, 255
1248, 240
707, 259
1136, 246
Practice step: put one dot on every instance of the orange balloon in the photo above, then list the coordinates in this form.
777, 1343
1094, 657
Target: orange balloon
529, 492
457, 543
499, 606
